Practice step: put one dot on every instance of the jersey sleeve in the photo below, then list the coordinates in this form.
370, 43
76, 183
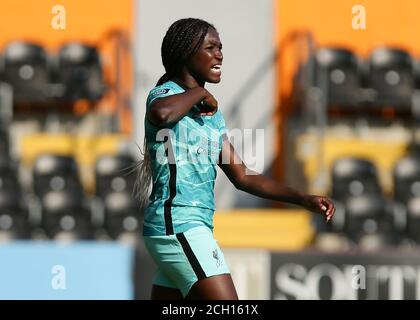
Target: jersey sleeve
161, 91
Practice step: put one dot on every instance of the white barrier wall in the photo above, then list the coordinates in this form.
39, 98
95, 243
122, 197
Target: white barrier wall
83, 270
250, 269
246, 31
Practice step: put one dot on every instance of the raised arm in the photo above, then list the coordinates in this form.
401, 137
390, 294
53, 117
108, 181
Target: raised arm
173, 108
254, 183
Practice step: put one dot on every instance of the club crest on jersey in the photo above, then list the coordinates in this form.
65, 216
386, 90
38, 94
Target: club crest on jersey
159, 92
219, 262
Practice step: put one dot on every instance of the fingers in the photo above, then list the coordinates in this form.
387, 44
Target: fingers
203, 115
207, 113
209, 104
328, 215
328, 209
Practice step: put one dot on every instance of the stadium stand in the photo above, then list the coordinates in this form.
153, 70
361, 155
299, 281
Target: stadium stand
65, 215
413, 219
390, 75
14, 223
366, 214
354, 177
114, 173
26, 70
55, 173
122, 214
79, 71
337, 72
406, 179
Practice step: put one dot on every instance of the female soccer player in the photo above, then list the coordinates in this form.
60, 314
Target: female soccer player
185, 139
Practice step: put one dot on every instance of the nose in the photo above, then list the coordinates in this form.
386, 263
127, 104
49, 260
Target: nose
219, 55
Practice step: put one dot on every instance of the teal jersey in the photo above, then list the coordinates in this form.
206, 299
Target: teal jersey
183, 156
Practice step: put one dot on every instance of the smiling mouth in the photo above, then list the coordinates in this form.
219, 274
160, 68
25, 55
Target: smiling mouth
216, 69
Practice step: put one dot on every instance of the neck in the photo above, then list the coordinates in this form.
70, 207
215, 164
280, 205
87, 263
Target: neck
188, 80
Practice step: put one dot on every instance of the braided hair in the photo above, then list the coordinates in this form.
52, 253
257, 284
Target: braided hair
182, 40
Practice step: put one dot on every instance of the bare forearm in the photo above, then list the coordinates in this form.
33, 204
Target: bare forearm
254, 183
268, 188
175, 107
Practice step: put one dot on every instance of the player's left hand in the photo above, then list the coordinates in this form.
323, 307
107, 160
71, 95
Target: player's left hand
319, 204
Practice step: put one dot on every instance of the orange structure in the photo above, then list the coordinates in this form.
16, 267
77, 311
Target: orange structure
105, 24
388, 23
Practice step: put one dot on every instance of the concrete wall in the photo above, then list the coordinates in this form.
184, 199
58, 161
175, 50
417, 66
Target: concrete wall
246, 31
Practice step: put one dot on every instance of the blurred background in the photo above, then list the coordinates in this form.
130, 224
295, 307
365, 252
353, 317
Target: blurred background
333, 85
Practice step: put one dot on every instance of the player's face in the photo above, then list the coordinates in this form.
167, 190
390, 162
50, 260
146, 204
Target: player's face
206, 64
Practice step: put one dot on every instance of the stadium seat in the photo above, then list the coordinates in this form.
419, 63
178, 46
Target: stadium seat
64, 213
114, 173
406, 177
337, 71
413, 219
414, 149
80, 72
4, 142
13, 228
367, 214
13, 217
416, 70
331, 242
26, 70
122, 214
8, 176
55, 173
378, 240
391, 77
354, 177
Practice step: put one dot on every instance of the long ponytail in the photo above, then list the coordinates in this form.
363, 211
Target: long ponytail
144, 176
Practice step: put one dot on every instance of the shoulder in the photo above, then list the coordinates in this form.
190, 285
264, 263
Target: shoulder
162, 89
166, 89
